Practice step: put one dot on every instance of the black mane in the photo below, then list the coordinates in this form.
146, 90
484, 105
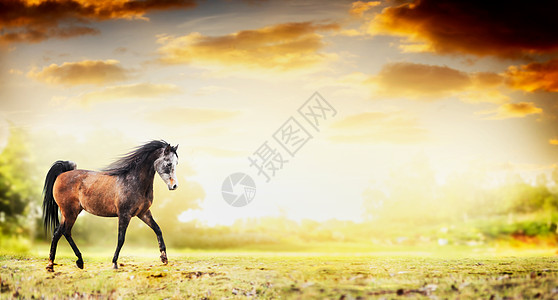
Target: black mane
135, 158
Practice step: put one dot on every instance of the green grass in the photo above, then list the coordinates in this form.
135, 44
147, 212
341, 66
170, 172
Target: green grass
217, 275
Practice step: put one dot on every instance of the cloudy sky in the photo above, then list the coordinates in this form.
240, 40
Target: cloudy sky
458, 84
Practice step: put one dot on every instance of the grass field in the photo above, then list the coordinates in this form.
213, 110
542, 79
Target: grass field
217, 275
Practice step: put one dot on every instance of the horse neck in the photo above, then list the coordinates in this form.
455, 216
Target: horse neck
144, 175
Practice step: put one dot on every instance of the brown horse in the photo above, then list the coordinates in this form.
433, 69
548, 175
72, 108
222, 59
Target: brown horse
124, 190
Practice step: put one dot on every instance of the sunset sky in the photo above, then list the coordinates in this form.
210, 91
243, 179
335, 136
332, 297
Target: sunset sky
460, 85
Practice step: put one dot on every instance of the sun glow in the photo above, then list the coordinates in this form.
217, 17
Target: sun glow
220, 87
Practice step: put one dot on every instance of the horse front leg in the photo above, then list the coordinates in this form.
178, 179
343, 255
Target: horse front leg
147, 218
123, 222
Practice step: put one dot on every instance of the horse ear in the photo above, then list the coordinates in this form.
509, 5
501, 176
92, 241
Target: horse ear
168, 149
175, 148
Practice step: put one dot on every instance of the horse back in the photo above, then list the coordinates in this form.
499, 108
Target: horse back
95, 192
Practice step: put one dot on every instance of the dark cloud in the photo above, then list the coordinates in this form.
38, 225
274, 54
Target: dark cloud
26, 21
509, 29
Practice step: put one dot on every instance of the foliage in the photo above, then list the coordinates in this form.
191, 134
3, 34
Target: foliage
413, 201
19, 189
14, 244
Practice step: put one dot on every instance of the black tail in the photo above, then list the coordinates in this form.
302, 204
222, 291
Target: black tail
50, 208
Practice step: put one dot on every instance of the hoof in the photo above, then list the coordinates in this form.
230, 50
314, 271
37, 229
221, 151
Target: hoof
50, 266
164, 259
114, 266
79, 263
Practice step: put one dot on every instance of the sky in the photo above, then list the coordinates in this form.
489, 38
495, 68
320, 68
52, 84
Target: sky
459, 85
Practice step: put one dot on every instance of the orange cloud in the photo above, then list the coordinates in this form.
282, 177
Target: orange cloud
358, 8
534, 77
40, 34
553, 141
379, 127
96, 72
430, 83
418, 80
130, 91
486, 79
471, 27
513, 110
278, 47
38, 20
475, 96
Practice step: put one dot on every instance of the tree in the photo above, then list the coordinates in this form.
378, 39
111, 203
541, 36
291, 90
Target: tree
19, 188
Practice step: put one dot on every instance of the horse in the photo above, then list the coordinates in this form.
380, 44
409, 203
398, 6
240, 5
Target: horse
124, 189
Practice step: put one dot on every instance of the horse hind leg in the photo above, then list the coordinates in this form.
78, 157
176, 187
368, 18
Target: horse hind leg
55, 237
68, 234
